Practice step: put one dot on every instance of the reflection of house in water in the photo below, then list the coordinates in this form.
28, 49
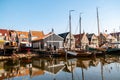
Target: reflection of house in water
70, 65
33, 71
2, 70
87, 63
12, 68
94, 62
83, 63
109, 60
52, 66
36, 72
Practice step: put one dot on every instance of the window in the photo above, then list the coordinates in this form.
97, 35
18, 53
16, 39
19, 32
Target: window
5, 34
22, 35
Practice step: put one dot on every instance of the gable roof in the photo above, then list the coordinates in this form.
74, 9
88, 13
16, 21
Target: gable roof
19, 33
78, 36
105, 35
47, 35
4, 31
64, 35
89, 36
38, 34
116, 33
110, 37
52, 33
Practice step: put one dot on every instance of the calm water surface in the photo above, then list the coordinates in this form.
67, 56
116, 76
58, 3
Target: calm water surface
61, 69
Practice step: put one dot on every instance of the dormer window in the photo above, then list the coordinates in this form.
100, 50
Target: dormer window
22, 35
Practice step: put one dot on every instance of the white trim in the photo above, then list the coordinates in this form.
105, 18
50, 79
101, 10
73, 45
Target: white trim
47, 35
52, 34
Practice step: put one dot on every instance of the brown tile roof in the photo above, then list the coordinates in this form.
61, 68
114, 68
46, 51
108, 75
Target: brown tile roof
78, 36
20, 33
38, 34
4, 31
44, 36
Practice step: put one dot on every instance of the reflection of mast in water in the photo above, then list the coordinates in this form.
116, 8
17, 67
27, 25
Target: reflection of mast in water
72, 71
53, 69
82, 73
69, 67
102, 71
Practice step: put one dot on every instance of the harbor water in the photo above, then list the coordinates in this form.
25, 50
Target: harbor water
49, 68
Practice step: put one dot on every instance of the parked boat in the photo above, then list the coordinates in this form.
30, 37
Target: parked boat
113, 48
113, 51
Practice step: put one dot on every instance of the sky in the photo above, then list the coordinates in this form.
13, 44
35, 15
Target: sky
43, 15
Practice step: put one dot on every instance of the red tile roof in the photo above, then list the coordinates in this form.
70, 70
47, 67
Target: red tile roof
77, 36
4, 31
20, 33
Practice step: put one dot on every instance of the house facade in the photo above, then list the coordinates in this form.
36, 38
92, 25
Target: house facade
116, 35
4, 36
81, 39
22, 36
33, 35
111, 39
23, 40
93, 40
13, 38
106, 38
50, 40
51, 66
66, 37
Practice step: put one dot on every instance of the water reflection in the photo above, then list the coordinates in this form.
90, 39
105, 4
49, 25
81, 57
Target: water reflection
61, 69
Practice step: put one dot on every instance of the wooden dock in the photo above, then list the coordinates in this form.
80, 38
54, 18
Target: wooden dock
17, 56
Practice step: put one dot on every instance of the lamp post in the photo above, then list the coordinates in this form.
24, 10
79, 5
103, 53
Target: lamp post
70, 26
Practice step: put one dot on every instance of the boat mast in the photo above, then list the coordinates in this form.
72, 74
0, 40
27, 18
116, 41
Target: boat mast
80, 29
70, 26
98, 26
98, 22
119, 35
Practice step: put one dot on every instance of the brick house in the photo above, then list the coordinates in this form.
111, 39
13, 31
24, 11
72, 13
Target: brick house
93, 40
81, 39
4, 36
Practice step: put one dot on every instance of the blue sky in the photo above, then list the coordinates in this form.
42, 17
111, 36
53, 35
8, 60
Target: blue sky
43, 15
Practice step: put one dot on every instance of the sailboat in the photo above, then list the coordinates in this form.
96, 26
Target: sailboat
70, 52
82, 52
110, 49
113, 50
98, 50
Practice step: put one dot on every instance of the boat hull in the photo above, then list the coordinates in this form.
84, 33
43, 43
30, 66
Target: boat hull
113, 51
